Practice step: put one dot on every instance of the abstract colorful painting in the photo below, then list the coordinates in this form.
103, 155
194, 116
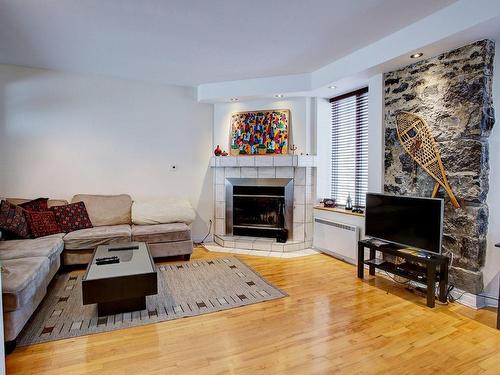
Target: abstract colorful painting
260, 132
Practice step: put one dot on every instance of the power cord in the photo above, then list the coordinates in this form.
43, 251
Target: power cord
451, 286
407, 282
208, 234
415, 288
449, 297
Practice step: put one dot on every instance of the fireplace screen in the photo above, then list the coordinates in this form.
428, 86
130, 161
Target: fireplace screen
258, 209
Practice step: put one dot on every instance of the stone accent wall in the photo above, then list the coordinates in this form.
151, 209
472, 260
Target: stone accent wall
453, 93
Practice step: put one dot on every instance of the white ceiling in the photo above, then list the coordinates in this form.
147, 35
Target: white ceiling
189, 42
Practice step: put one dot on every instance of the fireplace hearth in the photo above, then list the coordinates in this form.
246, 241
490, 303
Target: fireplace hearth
259, 207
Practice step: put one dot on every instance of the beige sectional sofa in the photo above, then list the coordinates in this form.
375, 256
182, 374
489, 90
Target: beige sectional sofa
28, 266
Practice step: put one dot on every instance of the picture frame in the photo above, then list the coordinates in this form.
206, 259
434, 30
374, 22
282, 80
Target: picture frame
264, 132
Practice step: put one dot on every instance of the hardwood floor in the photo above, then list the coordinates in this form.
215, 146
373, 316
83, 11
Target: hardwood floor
331, 323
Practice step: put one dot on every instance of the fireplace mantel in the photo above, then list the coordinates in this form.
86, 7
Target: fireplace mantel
263, 161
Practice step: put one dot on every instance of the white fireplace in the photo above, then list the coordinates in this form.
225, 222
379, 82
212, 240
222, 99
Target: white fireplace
298, 171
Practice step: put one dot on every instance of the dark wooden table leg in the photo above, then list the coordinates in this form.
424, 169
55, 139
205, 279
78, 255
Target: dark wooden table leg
372, 256
431, 284
443, 282
361, 259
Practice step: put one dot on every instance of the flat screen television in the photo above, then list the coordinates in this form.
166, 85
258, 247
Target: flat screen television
407, 221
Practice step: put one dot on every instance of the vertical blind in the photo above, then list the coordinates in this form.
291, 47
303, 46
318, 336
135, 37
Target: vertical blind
350, 147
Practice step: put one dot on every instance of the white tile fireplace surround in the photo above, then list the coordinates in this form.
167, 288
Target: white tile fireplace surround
300, 168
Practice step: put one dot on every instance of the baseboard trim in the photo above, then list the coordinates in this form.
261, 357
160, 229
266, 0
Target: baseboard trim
473, 300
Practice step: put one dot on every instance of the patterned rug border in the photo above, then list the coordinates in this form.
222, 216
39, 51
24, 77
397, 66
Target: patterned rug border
138, 318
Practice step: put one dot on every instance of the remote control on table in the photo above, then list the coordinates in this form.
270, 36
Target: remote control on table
107, 260
124, 248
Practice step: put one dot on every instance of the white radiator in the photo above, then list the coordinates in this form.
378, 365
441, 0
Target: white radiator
337, 239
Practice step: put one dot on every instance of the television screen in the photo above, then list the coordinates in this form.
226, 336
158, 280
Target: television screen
412, 222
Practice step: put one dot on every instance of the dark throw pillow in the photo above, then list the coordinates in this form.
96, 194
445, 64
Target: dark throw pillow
39, 204
71, 217
42, 223
13, 220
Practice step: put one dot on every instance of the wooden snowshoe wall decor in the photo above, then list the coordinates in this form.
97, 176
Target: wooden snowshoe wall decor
416, 138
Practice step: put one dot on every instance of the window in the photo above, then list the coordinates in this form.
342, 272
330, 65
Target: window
350, 147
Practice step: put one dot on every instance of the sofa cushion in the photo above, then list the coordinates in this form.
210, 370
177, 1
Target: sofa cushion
161, 233
92, 237
21, 278
39, 204
106, 209
50, 202
42, 223
57, 235
162, 211
49, 247
72, 217
12, 220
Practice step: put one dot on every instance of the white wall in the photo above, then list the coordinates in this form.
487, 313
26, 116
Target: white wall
376, 131
63, 134
375, 138
301, 126
324, 145
491, 271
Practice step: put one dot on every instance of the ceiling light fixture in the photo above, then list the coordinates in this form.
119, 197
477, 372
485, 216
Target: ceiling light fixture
278, 95
332, 87
234, 99
416, 55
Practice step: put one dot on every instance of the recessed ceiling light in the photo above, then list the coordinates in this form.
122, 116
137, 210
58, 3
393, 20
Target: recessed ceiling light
416, 55
332, 87
278, 95
234, 99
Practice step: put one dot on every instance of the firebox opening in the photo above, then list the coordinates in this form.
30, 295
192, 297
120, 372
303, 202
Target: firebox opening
258, 207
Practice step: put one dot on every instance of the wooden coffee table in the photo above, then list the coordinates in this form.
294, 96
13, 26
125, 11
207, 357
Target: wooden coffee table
120, 287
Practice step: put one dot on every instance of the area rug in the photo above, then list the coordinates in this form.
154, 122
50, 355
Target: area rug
184, 289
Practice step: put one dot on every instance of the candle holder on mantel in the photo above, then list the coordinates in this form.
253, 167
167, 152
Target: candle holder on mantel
293, 148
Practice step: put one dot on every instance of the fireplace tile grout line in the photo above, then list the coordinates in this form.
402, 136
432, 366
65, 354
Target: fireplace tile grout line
260, 244
213, 247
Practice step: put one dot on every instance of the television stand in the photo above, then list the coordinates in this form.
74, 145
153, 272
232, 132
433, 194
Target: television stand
431, 268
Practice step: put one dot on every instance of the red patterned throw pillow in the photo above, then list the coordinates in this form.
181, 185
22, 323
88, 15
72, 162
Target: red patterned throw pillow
71, 217
42, 223
39, 204
13, 221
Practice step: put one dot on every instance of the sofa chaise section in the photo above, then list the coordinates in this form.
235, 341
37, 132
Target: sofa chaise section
28, 266
50, 247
